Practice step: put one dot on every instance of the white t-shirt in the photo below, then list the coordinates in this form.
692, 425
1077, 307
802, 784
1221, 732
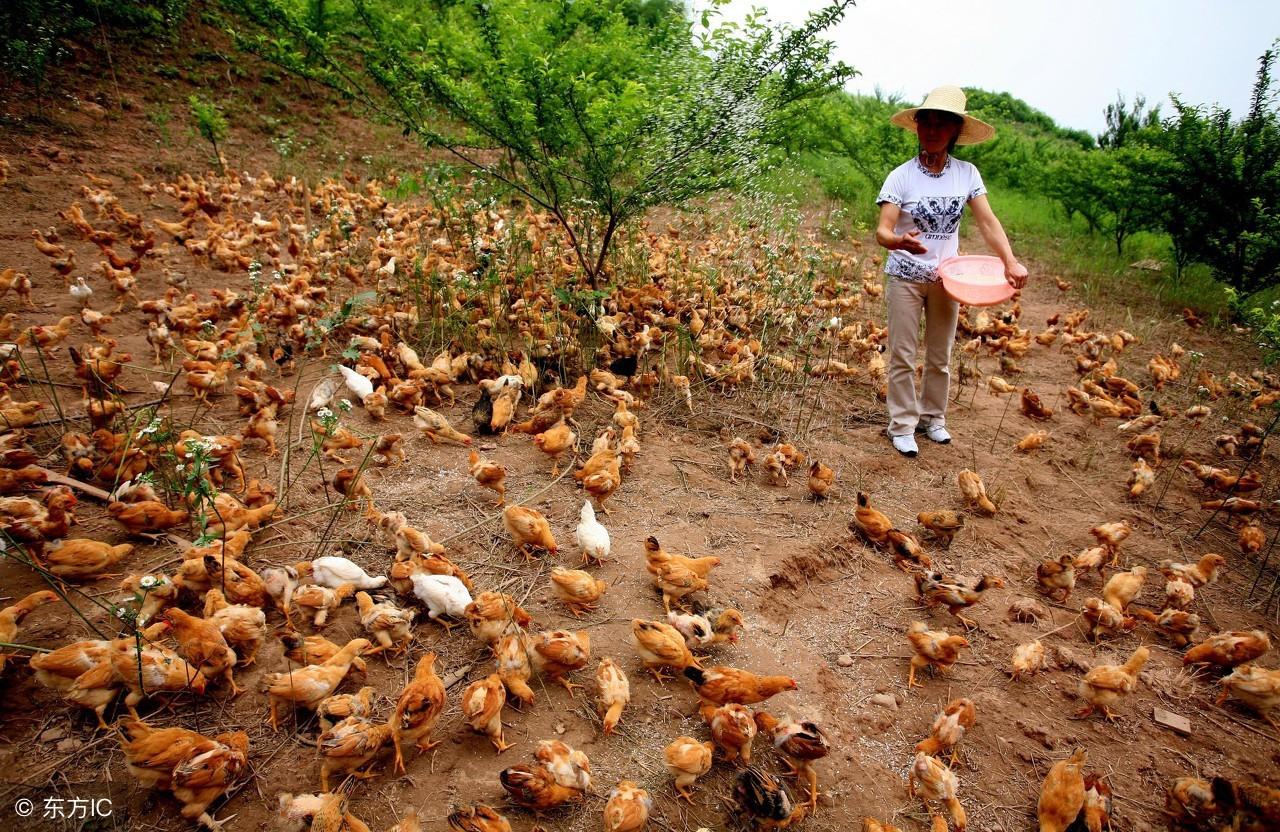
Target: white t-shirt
931, 203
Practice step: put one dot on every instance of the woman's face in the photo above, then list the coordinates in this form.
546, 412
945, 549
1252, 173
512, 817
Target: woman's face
935, 131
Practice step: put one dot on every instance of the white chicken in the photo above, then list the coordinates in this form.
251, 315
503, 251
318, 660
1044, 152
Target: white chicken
81, 291
333, 572
359, 386
592, 536
443, 595
322, 394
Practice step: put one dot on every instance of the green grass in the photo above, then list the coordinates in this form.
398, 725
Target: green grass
1040, 232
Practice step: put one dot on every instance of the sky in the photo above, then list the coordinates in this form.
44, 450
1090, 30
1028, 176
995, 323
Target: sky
1068, 59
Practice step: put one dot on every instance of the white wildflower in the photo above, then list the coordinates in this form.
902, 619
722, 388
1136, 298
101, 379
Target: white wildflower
148, 581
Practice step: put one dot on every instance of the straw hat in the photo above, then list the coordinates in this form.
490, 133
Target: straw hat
949, 100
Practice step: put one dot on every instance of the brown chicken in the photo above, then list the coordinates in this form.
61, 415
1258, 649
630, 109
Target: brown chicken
314, 649
490, 475
1032, 407
511, 653
1229, 649
390, 625
661, 645
554, 442
656, 557
418, 709
870, 523
873, 825
1057, 577
1028, 659
557, 653
435, 427
676, 581
492, 614
577, 590
775, 468
339, 706
627, 809
613, 693
766, 801
202, 643
821, 480
195, 768
1257, 687
152, 669
932, 648
333, 440
1094, 557
1112, 534
722, 685
687, 759
349, 482
800, 743
321, 599
1104, 685
240, 583
349, 746
1105, 620
528, 529
478, 818
949, 728
1097, 804
482, 704
935, 591
534, 787
243, 626
307, 686
733, 728
1062, 795
602, 483
974, 492
933, 781
741, 455
1122, 587
12, 615
942, 524
1198, 574
1178, 625
146, 516
1252, 538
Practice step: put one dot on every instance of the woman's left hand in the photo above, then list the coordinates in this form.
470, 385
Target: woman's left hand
1016, 274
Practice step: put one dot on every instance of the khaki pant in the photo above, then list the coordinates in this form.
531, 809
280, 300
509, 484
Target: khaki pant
905, 301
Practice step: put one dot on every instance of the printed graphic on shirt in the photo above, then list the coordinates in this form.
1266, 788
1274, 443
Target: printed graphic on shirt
938, 217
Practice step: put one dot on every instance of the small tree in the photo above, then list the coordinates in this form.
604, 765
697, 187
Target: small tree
1129, 124
1225, 186
210, 124
596, 112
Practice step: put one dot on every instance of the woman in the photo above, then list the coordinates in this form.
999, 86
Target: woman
920, 207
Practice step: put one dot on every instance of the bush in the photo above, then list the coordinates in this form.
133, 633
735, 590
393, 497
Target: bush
210, 124
1225, 186
32, 31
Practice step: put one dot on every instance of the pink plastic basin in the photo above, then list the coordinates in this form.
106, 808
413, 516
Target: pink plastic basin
975, 280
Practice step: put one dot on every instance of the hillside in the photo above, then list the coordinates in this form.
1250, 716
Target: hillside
739, 308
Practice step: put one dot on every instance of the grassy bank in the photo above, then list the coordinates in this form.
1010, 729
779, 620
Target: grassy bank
1038, 228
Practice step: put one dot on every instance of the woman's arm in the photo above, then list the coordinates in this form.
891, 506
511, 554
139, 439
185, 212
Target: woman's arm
993, 234
891, 241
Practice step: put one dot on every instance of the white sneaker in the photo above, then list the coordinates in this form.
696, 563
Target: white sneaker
938, 434
904, 444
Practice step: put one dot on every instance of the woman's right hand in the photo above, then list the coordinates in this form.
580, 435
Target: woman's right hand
909, 242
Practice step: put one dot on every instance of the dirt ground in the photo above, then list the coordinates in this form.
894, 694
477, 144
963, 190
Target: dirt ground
819, 605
